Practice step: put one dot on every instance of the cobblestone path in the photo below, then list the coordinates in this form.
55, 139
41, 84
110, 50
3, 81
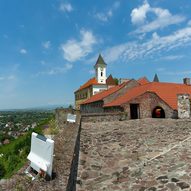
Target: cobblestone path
136, 155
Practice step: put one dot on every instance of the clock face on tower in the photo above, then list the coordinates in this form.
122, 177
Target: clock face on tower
101, 68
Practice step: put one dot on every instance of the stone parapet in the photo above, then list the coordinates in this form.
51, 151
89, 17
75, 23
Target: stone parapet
100, 117
183, 106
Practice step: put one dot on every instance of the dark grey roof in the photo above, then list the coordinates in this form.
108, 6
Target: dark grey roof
100, 61
156, 79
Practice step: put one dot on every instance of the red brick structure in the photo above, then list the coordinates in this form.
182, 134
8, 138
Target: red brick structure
95, 103
153, 99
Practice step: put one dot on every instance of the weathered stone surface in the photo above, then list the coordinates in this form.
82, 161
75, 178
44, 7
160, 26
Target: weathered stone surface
174, 180
84, 175
183, 185
172, 186
136, 155
163, 179
152, 189
183, 106
142, 189
111, 152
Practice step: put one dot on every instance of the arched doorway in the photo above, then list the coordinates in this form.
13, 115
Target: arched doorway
158, 112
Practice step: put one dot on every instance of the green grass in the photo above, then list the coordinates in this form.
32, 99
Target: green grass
15, 153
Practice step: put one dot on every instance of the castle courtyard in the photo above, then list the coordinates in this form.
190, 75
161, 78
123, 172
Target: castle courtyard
135, 155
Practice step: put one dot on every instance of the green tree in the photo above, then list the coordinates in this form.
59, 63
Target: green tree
116, 81
70, 107
2, 170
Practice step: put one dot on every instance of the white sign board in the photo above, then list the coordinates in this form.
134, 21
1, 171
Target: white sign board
41, 154
71, 118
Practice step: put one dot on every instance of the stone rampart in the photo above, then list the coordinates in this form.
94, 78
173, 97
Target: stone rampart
61, 115
183, 106
100, 117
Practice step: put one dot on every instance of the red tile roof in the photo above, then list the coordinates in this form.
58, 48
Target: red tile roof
90, 82
143, 80
166, 91
110, 81
93, 81
105, 93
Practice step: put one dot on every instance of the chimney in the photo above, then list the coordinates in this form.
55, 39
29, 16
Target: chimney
186, 81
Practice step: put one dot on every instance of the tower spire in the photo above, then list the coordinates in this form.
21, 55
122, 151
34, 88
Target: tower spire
100, 70
155, 79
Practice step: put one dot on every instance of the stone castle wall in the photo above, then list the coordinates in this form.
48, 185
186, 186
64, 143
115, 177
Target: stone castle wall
183, 106
71, 155
100, 117
147, 103
61, 115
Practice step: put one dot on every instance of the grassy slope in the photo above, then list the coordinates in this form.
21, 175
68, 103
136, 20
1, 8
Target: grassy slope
15, 153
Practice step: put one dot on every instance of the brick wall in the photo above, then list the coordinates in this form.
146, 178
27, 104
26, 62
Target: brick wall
147, 103
100, 117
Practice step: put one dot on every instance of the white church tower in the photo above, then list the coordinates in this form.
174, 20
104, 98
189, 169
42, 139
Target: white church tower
100, 70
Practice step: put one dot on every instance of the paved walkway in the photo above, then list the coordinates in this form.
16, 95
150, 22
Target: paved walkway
149, 154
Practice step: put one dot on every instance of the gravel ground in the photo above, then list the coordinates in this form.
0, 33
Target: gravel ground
135, 155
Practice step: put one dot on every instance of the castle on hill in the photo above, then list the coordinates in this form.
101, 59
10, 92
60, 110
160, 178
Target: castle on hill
136, 98
94, 85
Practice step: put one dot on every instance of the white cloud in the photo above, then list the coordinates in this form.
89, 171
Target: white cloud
11, 77
66, 7
74, 50
106, 15
103, 16
174, 73
138, 15
68, 66
6, 78
155, 46
2, 78
46, 44
23, 51
173, 57
163, 18
189, 23
115, 53
179, 73
56, 70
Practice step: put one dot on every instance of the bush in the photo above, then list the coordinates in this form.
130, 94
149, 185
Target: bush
15, 153
2, 170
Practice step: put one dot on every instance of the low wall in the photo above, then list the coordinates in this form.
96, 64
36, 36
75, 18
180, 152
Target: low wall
73, 144
100, 117
71, 186
61, 115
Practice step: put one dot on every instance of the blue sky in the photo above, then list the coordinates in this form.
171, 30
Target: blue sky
48, 48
